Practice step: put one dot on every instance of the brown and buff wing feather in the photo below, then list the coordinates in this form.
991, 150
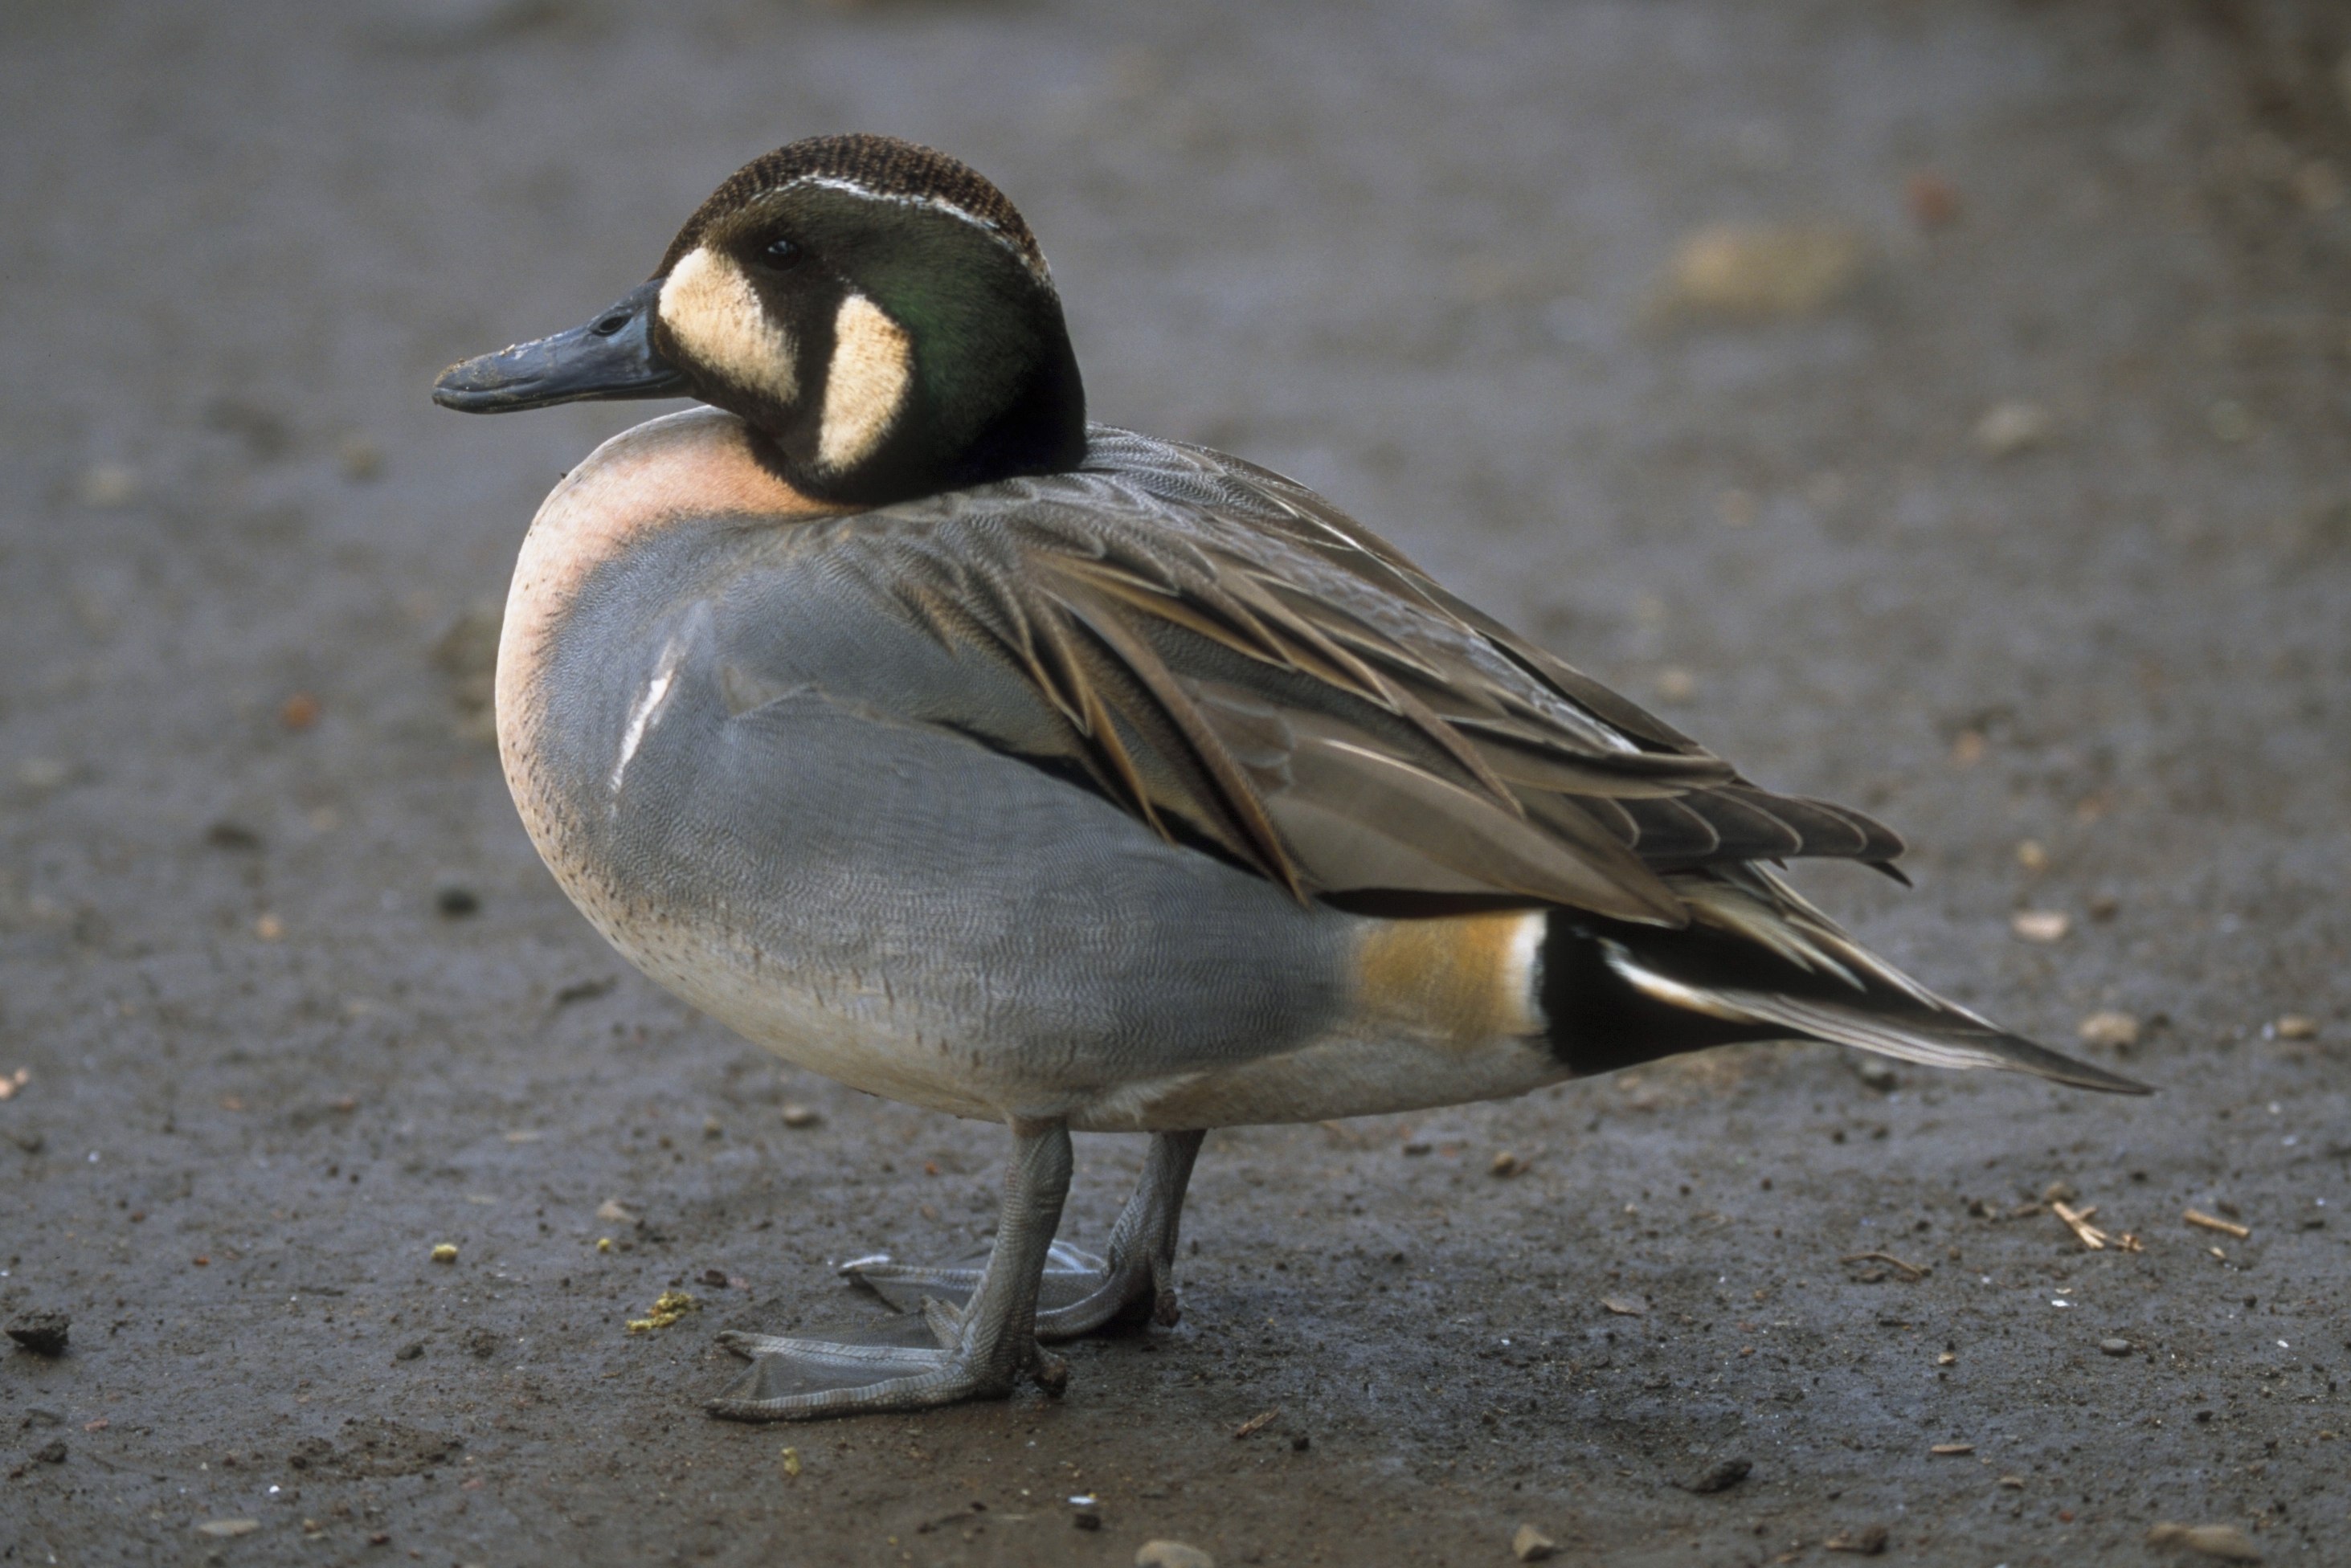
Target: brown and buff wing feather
1231, 658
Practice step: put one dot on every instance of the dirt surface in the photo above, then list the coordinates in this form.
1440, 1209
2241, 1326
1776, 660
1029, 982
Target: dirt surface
2002, 490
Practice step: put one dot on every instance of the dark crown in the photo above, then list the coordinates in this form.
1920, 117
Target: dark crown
887, 167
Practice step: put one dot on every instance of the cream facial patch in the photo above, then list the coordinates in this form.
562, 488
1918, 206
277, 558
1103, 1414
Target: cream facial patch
872, 363
719, 321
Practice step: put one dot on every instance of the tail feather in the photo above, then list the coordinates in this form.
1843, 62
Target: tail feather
1757, 962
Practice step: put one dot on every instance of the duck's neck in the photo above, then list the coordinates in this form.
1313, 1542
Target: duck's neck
977, 396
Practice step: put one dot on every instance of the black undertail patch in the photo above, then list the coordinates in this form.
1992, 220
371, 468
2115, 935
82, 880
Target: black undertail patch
1600, 1022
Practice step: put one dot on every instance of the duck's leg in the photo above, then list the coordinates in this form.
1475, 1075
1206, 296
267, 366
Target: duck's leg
1138, 1277
984, 1347
1079, 1292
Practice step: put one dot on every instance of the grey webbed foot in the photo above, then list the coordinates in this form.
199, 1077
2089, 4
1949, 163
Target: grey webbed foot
976, 1350
1078, 1291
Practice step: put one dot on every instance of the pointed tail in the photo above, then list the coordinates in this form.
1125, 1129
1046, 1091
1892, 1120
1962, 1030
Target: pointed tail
1758, 962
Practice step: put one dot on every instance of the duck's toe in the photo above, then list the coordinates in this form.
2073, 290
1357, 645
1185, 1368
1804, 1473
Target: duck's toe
1072, 1275
795, 1379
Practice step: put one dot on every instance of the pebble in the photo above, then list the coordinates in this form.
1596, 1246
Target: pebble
798, 1115
2009, 428
1759, 271
2295, 1026
2116, 1346
1868, 1542
1171, 1554
454, 901
2225, 1542
1506, 1164
444, 1252
1531, 1545
42, 1331
52, 1452
2040, 925
1721, 1475
2114, 1031
222, 1529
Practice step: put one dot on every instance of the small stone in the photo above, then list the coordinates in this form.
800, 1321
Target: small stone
614, 1211
2032, 856
2296, 1026
799, 1115
1721, 1475
1531, 1545
1755, 272
1086, 1518
52, 1452
223, 1529
1867, 1543
789, 1461
409, 1352
2040, 925
2225, 1542
299, 711
444, 1252
1877, 1074
2116, 1346
2114, 1031
1506, 1164
2009, 428
1625, 1307
1171, 1554
42, 1331
454, 901
269, 928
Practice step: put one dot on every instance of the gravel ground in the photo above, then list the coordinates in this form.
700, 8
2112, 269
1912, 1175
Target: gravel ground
2000, 488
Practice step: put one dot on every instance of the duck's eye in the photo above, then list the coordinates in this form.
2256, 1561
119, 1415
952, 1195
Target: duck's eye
781, 253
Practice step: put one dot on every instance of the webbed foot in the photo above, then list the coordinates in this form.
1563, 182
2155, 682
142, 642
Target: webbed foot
795, 1379
1078, 1291
976, 1350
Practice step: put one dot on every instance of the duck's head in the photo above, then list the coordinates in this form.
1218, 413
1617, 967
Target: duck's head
878, 311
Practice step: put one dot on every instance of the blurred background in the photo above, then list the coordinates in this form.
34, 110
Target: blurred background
1939, 406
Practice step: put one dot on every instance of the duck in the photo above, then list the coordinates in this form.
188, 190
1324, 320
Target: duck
1043, 772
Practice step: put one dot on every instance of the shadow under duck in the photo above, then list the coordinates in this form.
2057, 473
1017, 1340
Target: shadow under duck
1058, 775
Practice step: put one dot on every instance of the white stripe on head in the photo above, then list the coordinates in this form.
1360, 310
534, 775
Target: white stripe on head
1035, 263
718, 319
873, 365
